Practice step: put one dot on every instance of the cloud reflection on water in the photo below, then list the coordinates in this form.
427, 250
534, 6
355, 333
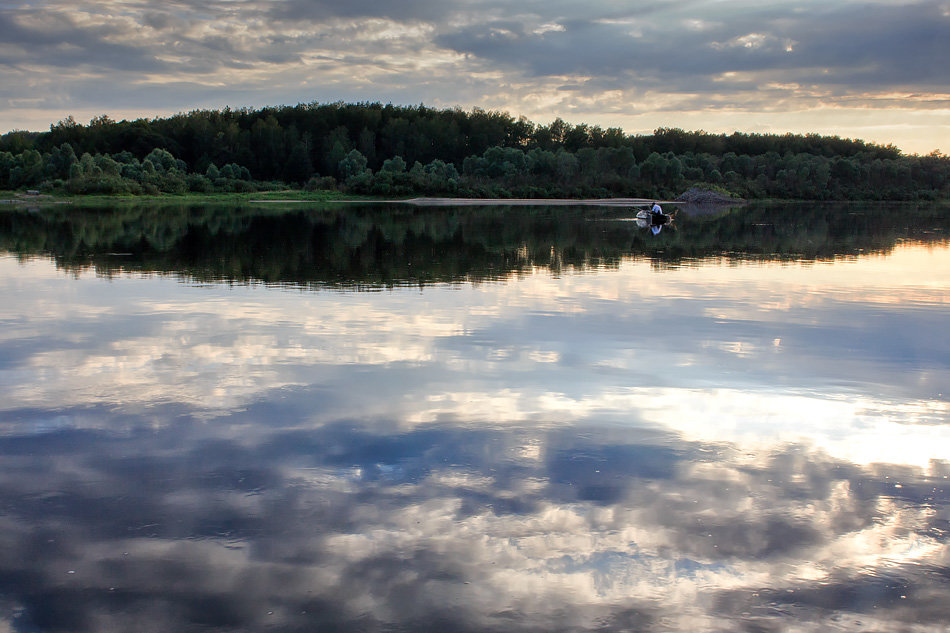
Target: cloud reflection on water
626, 449
570, 348
456, 525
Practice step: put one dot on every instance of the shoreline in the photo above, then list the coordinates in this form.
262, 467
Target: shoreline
13, 199
19, 199
484, 202
524, 202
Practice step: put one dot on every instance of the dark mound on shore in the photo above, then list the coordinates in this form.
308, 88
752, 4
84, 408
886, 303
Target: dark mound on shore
695, 195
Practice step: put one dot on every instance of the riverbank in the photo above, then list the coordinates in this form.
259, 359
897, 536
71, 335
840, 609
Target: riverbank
288, 195
297, 196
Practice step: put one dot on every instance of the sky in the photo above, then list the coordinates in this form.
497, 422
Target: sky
869, 69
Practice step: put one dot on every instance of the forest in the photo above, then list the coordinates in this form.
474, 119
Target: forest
389, 150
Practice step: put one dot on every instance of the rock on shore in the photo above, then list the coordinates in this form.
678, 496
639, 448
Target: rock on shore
696, 195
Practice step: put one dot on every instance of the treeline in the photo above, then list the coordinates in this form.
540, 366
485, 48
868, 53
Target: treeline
395, 150
158, 172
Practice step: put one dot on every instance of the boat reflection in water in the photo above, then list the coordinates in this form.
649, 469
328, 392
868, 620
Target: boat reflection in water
655, 221
537, 419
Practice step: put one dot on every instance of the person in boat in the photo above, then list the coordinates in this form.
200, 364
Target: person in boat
654, 219
657, 218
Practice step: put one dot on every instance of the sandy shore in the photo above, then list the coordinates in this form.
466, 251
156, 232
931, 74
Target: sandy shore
507, 202
684, 206
529, 202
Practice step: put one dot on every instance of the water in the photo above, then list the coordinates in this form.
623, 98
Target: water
392, 419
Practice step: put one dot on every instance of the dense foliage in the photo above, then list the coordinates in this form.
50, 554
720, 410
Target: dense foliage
390, 150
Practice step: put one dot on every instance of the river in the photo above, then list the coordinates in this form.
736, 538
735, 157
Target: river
380, 418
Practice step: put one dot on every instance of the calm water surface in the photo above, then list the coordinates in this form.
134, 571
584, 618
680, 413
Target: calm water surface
392, 419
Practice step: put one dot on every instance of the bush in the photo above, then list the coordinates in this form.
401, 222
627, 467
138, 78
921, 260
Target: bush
199, 184
320, 183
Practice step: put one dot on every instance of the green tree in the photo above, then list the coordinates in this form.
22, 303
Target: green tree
352, 164
566, 166
7, 162
28, 169
299, 168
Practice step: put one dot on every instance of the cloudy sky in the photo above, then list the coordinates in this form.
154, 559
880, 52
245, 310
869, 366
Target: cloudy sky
870, 69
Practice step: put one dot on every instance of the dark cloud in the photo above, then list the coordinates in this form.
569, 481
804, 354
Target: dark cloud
160, 21
474, 11
323, 10
853, 46
61, 43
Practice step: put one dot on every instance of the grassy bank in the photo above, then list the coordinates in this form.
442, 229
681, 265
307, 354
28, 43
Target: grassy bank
290, 195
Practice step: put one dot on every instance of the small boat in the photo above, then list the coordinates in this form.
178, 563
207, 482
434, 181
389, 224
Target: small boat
654, 219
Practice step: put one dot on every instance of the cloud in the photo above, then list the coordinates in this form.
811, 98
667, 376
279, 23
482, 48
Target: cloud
812, 65
58, 41
321, 11
894, 46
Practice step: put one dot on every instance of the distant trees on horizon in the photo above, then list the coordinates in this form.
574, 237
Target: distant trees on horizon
401, 150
